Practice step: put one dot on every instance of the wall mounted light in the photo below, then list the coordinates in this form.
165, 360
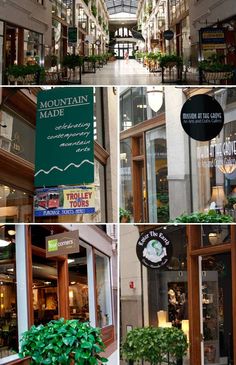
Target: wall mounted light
155, 97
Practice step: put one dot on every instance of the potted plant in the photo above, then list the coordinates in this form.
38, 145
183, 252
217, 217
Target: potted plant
89, 64
155, 345
213, 68
25, 74
153, 60
63, 342
125, 215
201, 217
170, 60
71, 61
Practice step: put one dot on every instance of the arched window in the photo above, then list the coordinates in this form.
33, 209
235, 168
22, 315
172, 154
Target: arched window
123, 32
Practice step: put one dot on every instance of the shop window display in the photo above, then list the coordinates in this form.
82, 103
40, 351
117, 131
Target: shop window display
33, 47
8, 303
103, 286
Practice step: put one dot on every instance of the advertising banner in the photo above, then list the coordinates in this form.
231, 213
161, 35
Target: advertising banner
212, 38
62, 244
64, 137
64, 201
72, 36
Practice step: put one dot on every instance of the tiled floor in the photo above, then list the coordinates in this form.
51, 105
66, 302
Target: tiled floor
121, 72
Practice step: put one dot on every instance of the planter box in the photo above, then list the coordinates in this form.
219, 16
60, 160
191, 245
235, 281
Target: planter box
215, 76
89, 67
25, 361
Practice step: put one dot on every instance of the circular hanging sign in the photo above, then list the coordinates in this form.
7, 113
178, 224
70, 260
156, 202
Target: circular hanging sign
202, 117
168, 34
98, 42
154, 249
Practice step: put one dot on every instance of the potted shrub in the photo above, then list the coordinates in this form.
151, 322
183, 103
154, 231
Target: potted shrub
201, 217
125, 215
63, 342
25, 74
155, 345
213, 68
71, 61
153, 60
170, 60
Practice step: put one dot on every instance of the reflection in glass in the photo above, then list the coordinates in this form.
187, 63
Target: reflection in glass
78, 288
104, 312
8, 303
126, 190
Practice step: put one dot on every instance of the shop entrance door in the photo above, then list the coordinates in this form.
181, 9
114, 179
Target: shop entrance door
140, 193
212, 294
216, 309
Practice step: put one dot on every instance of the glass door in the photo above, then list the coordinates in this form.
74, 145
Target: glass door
216, 309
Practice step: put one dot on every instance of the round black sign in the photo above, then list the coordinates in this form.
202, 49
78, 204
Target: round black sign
168, 35
202, 117
98, 42
154, 249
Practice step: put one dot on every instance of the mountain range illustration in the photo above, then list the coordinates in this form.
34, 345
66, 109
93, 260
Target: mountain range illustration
72, 164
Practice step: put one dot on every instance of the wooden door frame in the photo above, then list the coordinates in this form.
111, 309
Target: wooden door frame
63, 278
194, 250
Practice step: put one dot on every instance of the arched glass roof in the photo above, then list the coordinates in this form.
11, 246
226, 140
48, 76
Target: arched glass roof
121, 6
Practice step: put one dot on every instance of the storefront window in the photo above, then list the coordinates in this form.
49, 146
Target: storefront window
78, 289
157, 184
216, 169
217, 309
103, 286
215, 235
16, 136
33, 47
168, 287
45, 293
8, 294
15, 205
126, 190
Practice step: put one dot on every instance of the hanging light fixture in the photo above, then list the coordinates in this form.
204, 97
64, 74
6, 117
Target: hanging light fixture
218, 196
4, 242
155, 97
227, 169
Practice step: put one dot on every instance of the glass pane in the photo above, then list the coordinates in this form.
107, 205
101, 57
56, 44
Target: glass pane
78, 289
217, 309
16, 136
215, 234
126, 190
15, 205
158, 198
103, 287
8, 302
45, 291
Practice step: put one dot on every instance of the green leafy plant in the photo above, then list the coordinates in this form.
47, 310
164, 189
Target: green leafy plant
214, 63
163, 214
153, 56
199, 217
22, 71
58, 342
72, 61
86, 2
231, 202
169, 59
94, 10
125, 215
100, 19
155, 345
92, 58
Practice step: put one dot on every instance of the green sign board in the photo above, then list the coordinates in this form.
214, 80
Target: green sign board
64, 137
72, 35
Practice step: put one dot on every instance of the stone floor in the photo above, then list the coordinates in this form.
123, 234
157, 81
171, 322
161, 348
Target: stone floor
121, 72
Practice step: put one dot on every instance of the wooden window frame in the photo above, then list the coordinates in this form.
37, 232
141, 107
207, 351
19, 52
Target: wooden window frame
194, 250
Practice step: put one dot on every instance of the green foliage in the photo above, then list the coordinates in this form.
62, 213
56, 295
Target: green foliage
155, 345
92, 58
86, 2
72, 61
167, 59
153, 56
99, 19
163, 197
231, 201
54, 343
163, 214
21, 71
214, 63
124, 214
94, 10
199, 217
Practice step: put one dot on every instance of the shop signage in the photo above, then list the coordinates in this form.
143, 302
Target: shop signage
168, 34
64, 137
72, 36
62, 244
98, 42
154, 249
202, 117
212, 38
64, 201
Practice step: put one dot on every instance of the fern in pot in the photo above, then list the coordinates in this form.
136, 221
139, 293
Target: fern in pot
63, 342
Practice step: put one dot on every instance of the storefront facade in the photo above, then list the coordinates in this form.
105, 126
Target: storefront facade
18, 120
24, 38
193, 291
78, 286
157, 158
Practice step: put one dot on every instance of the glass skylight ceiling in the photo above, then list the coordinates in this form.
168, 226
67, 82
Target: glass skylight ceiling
121, 6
